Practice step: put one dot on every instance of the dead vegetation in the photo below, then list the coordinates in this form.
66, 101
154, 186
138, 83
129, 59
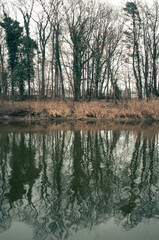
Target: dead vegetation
67, 109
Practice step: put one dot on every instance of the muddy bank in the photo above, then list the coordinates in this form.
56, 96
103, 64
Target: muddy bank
61, 111
41, 118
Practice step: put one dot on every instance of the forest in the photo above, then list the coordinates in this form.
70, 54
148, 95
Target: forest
78, 49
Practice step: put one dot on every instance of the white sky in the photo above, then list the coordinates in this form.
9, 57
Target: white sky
116, 3
121, 2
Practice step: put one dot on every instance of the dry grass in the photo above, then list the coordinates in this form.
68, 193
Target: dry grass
123, 110
134, 109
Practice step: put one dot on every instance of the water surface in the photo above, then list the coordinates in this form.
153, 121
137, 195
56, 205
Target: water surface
79, 184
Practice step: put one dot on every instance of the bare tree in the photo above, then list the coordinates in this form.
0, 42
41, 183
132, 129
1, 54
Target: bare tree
80, 25
44, 26
146, 53
101, 33
59, 79
154, 43
133, 33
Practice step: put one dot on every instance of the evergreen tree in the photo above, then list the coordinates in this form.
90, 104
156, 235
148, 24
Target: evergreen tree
26, 65
13, 35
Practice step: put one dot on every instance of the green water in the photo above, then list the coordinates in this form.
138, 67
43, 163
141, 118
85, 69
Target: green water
73, 185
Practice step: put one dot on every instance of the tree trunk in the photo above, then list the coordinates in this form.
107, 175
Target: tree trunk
43, 73
154, 68
52, 65
59, 61
77, 73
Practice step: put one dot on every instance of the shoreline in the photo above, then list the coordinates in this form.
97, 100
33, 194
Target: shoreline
68, 111
7, 119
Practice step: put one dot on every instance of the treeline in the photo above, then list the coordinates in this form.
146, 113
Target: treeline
79, 49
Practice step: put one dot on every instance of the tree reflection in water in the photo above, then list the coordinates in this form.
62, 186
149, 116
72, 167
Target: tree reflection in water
65, 181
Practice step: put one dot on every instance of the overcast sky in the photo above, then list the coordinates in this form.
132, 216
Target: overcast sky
113, 2
121, 2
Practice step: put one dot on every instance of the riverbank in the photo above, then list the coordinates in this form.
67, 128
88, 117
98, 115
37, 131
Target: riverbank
67, 110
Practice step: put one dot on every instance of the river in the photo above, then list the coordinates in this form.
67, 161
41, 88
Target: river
73, 184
